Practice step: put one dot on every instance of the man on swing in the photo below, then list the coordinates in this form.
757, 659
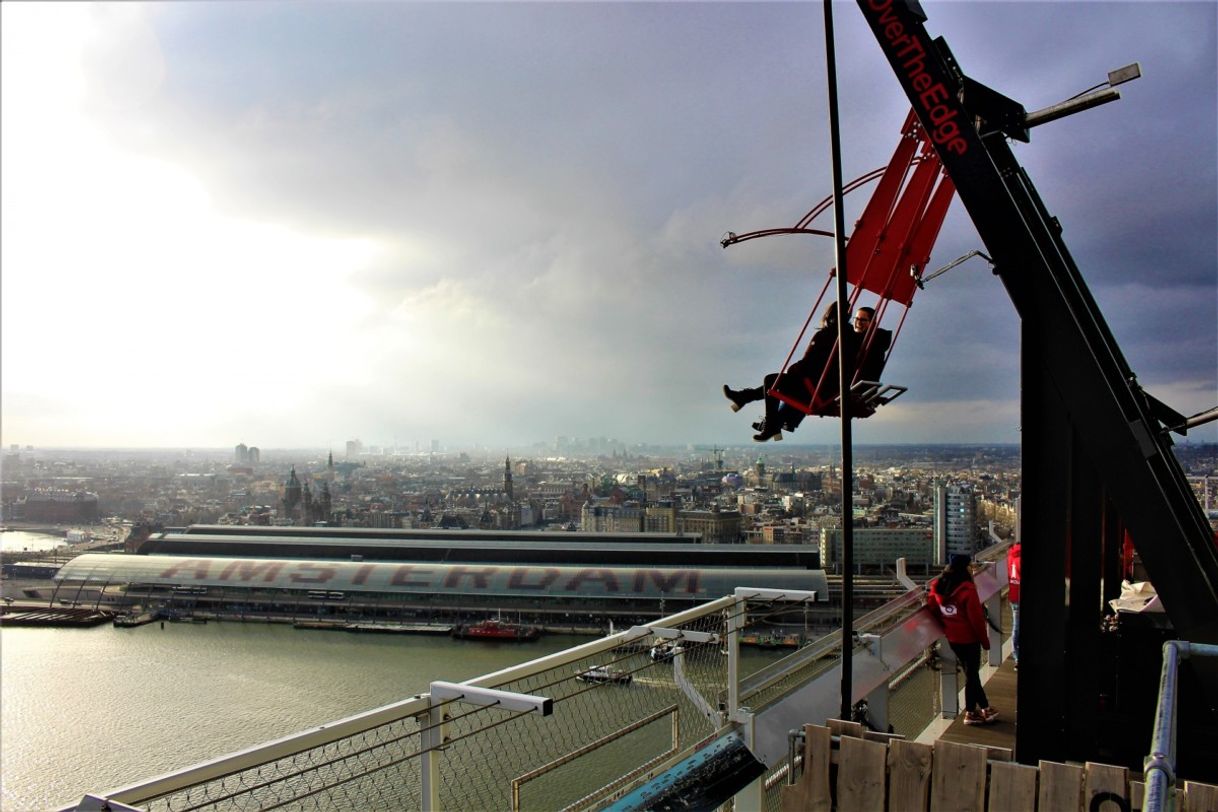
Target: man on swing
816, 372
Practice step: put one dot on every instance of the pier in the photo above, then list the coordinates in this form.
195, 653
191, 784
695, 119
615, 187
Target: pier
23, 614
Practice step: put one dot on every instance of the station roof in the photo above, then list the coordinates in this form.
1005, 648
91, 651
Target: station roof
435, 578
485, 550
440, 534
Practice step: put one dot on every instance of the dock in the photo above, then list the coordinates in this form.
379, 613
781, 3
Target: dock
61, 616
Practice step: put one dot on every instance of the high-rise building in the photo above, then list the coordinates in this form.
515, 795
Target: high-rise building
955, 521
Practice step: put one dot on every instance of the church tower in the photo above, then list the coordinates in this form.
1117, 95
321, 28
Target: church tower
291, 495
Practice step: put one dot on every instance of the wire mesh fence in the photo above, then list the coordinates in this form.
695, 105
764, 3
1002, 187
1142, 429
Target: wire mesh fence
619, 710
616, 713
376, 768
623, 709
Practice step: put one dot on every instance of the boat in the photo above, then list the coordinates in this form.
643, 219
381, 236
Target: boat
772, 640
133, 619
493, 629
663, 651
604, 674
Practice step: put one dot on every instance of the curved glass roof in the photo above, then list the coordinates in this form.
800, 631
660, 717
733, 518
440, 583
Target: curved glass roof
430, 577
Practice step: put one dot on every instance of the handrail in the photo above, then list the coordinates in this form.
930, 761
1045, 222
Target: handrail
264, 752
1159, 768
884, 653
775, 672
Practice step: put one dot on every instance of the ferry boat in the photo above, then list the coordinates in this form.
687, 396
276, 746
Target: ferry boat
492, 629
772, 640
133, 619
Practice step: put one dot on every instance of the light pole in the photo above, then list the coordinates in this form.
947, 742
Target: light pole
839, 250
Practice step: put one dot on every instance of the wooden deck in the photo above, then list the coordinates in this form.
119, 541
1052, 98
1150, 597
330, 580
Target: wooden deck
1000, 689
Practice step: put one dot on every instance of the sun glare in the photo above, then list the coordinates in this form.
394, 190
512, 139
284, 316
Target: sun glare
123, 261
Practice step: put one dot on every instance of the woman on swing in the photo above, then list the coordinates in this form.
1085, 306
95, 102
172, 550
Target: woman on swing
819, 364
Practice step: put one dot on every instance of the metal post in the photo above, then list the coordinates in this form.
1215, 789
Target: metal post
431, 738
735, 623
752, 797
795, 737
1160, 766
844, 375
877, 708
993, 610
949, 685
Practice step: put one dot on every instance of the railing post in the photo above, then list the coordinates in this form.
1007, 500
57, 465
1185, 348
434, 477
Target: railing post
993, 609
877, 708
431, 737
1160, 766
949, 688
735, 623
752, 797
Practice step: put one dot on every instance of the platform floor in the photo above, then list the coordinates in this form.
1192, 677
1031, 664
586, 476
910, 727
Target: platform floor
1000, 690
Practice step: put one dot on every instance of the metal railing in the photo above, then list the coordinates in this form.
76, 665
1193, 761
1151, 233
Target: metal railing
615, 717
1160, 766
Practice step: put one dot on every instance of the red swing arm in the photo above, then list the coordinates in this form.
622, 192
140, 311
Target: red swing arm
887, 252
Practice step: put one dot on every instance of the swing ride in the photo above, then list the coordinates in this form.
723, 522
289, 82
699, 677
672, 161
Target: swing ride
886, 255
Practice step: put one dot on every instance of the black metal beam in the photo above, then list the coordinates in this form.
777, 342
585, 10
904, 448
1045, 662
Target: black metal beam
1043, 610
1100, 396
1094, 448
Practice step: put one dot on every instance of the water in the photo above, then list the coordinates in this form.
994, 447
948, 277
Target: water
88, 710
14, 541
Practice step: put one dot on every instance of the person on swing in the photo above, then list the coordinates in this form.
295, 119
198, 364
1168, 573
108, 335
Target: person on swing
875, 352
818, 358
819, 364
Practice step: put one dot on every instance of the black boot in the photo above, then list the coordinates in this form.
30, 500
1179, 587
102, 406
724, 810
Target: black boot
767, 432
739, 397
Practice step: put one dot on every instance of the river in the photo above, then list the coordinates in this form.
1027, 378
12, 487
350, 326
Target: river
94, 709
87, 710
16, 541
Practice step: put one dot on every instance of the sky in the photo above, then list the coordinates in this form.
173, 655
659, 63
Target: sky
296, 224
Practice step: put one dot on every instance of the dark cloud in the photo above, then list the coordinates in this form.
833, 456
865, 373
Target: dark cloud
547, 184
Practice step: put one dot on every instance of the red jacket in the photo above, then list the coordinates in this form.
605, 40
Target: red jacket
1013, 556
961, 613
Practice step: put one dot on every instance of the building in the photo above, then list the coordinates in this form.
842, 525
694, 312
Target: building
440, 576
368, 591
607, 517
58, 507
876, 548
955, 521
715, 526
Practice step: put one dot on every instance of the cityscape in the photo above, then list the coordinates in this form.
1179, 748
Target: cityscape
744, 495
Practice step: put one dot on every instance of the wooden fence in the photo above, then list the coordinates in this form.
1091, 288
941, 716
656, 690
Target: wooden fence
868, 772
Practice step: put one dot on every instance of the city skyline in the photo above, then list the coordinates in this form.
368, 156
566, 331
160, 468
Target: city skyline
494, 224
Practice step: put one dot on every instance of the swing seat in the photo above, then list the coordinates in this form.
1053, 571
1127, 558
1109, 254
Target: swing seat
866, 395
865, 398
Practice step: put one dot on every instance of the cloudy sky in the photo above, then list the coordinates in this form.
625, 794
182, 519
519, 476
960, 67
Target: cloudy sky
295, 224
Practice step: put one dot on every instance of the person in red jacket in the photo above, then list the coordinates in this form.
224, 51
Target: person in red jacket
953, 596
1014, 553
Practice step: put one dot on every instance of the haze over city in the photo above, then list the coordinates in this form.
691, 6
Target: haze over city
294, 224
